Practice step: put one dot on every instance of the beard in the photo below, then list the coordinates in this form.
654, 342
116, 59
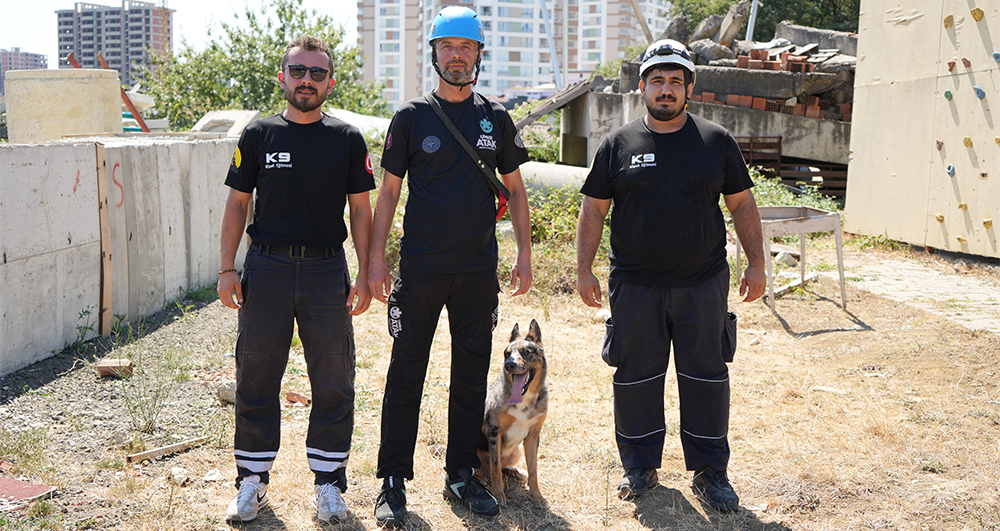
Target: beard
304, 102
665, 114
459, 76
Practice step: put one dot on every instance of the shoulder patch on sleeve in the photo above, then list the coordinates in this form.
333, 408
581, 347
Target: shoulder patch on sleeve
368, 164
237, 158
517, 140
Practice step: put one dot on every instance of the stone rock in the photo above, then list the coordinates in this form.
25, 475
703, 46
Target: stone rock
179, 476
677, 30
214, 475
728, 63
708, 50
732, 22
837, 63
227, 392
743, 47
786, 258
708, 28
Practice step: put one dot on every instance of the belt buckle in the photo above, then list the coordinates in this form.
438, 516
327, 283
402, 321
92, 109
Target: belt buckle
301, 248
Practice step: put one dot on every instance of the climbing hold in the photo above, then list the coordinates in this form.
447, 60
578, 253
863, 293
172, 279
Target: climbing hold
961, 239
977, 14
967, 141
966, 62
996, 56
979, 92
949, 21
998, 140
950, 169
940, 144
940, 218
963, 206
984, 175
951, 66
987, 223
947, 95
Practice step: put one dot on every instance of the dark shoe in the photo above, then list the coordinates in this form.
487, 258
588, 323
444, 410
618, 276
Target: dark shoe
390, 506
636, 482
467, 488
713, 487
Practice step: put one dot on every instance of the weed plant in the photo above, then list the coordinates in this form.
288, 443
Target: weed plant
146, 390
25, 448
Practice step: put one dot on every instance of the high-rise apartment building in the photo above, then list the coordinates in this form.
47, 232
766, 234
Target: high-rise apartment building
122, 34
15, 59
584, 34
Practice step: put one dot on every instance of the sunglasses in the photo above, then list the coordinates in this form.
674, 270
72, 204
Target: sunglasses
299, 71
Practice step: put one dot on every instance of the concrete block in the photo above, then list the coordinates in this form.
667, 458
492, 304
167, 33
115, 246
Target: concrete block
763, 83
88, 102
231, 123
847, 43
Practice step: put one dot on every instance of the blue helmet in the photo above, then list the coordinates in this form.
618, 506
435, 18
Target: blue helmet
457, 21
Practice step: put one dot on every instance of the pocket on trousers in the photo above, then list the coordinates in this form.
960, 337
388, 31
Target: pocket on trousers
729, 338
395, 309
610, 353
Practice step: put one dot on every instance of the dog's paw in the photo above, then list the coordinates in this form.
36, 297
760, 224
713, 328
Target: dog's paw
539, 501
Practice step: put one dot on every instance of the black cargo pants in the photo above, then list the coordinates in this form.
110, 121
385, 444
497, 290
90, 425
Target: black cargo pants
414, 308
645, 322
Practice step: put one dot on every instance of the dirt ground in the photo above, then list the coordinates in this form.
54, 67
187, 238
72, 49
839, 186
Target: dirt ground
883, 416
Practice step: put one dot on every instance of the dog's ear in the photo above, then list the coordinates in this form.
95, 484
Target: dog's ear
515, 334
534, 333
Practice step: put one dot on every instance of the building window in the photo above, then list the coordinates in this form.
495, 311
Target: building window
388, 47
486, 11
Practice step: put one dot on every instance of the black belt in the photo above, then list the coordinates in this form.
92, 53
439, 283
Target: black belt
300, 251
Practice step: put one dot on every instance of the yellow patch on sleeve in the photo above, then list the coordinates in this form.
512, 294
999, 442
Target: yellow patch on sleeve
237, 158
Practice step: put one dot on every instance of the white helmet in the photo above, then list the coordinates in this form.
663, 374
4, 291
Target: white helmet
666, 51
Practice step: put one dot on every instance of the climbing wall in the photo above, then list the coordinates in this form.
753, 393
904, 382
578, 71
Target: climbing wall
925, 146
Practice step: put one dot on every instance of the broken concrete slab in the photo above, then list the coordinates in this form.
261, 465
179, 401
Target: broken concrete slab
847, 43
837, 63
677, 29
708, 28
732, 22
231, 123
709, 50
762, 83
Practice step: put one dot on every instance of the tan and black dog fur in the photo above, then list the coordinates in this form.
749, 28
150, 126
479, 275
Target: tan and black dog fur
515, 416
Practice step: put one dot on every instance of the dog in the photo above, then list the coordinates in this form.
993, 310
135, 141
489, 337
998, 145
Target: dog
516, 405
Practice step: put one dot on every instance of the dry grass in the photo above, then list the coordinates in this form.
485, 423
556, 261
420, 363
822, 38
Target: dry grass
883, 417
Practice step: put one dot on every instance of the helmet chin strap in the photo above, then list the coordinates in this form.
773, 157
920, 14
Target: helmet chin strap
437, 69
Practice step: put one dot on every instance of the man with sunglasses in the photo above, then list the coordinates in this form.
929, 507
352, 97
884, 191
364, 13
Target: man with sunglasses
448, 258
305, 167
669, 281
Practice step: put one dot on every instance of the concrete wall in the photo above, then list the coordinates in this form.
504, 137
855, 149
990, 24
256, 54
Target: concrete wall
898, 183
589, 118
166, 199
847, 43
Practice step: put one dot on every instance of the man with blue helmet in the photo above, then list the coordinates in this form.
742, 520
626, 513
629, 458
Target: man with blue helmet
669, 281
448, 258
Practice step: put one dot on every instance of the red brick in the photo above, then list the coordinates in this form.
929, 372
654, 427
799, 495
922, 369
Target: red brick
772, 105
846, 118
696, 97
733, 99
759, 55
843, 108
795, 66
808, 99
800, 110
759, 103
787, 109
755, 64
746, 101
742, 61
812, 111
708, 97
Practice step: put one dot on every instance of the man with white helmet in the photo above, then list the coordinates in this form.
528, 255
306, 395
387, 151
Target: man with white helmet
669, 280
448, 258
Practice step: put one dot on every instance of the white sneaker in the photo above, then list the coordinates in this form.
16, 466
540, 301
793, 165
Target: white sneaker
329, 503
251, 498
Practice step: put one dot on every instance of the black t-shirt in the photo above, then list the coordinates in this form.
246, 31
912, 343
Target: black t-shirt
667, 228
302, 173
450, 220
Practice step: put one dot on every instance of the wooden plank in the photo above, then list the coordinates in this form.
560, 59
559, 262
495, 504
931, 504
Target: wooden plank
796, 284
105, 317
164, 450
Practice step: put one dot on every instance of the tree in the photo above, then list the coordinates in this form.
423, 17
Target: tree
612, 68
840, 15
238, 69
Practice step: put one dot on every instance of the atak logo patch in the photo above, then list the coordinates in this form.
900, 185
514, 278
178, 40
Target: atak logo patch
431, 144
644, 160
486, 125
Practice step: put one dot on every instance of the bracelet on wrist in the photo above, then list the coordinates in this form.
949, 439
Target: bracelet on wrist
224, 271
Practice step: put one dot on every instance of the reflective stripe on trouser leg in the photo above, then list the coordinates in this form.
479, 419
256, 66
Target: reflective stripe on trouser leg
639, 345
328, 344
702, 374
263, 337
471, 304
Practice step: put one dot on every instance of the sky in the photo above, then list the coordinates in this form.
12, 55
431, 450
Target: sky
31, 24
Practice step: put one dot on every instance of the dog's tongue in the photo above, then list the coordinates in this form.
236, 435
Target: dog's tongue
515, 388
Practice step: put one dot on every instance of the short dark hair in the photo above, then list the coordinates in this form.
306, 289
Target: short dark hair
310, 43
688, 78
